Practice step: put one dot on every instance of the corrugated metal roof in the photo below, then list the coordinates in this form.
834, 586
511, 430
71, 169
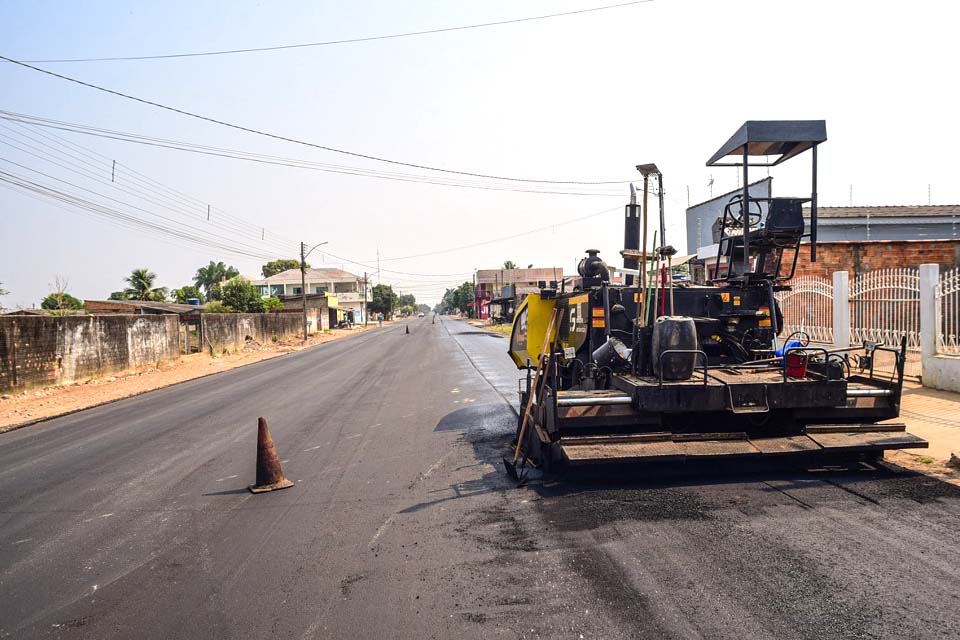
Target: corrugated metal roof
891, 211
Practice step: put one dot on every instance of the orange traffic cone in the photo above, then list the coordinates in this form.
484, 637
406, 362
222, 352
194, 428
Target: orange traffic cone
269, 474
408, 329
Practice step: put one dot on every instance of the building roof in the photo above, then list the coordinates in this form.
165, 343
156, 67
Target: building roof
119, 306
313, 275
508, 276
890, 211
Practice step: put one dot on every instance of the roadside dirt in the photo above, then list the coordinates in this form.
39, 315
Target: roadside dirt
20, 409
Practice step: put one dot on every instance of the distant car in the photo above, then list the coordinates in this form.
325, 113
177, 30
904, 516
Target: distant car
420, 315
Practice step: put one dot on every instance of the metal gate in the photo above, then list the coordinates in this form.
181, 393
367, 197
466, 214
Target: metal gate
948, 303
885, 308
808, 307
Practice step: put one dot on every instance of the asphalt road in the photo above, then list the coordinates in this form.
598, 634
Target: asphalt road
132, 520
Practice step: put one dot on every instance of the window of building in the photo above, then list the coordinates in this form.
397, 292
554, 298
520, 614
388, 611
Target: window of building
297, 291
276, 289
321, 289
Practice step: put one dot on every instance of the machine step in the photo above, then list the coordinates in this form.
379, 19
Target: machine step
682, 447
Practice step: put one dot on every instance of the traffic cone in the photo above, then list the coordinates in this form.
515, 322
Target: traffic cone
408, 330
269, 474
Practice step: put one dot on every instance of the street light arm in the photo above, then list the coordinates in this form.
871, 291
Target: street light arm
314, 247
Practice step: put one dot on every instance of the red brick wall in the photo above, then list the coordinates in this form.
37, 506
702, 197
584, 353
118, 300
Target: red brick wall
858, 257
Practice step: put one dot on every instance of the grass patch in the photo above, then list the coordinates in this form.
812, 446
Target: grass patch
924, 460
502, 329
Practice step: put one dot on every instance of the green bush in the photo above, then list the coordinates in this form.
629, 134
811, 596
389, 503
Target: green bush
217, 307
241, 296
272, 304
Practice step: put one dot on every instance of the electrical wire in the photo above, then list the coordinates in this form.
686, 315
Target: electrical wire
82, 171
147, 182
282, 161
119, 216
276, 136
327, 43
134, 190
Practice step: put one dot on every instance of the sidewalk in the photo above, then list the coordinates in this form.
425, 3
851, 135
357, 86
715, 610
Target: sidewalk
934, 416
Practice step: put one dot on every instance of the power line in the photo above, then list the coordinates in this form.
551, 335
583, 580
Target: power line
46, 123
80, 169
140, 182
276, 136
125, 219
191, 233
345, 41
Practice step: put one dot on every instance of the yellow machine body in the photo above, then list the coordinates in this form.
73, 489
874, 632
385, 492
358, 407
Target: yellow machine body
532, 318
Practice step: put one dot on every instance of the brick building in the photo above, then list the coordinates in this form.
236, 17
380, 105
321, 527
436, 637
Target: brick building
859, 257
861, 239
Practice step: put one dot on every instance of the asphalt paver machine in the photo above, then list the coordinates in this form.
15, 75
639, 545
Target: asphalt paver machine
653, 369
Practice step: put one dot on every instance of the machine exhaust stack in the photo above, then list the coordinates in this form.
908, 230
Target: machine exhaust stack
631, 236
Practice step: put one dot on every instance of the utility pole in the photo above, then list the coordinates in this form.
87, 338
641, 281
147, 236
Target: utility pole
477, 315
303, 285
303, 280
364, 306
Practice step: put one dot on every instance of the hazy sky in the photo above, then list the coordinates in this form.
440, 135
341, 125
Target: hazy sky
583, 97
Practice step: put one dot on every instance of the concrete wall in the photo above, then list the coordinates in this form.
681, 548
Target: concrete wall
229, 331
44, 351
940, 371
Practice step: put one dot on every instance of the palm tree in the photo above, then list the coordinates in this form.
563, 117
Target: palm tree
211, 275
509, 264
141, 286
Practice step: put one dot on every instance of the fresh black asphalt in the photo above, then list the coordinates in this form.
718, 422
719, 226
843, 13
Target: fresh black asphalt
132, 520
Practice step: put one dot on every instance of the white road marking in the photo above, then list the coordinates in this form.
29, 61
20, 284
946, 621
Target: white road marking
383, 527
313, 448
356, 435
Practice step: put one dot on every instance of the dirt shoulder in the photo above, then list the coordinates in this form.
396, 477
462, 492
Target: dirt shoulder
934, 416
27, 407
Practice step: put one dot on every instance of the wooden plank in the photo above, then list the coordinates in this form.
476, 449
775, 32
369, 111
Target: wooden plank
868, 441
787, 444
854, 428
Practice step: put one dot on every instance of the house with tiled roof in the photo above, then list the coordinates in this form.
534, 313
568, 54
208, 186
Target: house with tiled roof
349, 289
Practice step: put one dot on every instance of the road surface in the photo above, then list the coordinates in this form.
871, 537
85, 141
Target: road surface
132, 520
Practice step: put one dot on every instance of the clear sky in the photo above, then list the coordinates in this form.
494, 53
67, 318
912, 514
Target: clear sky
584, 97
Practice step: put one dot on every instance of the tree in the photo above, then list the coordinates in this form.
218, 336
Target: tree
211, 275
272, 304
509, 264
274, 267
141, 286
407, 300
61, 301
119, 295
216, 307
3, 292
457, 299
383, 300
184, 293
241, 296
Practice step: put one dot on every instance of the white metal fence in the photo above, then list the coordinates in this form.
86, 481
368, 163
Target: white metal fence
808, 307
948, 303
885, 307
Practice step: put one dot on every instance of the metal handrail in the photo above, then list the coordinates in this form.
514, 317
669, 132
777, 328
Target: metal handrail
696, 351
